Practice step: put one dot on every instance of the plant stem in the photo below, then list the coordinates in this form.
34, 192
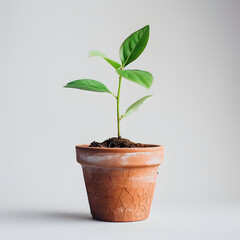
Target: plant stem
113, 95
118, 115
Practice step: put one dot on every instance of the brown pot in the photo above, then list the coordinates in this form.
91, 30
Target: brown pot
120, 181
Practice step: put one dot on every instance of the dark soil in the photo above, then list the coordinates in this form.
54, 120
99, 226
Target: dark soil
116, 143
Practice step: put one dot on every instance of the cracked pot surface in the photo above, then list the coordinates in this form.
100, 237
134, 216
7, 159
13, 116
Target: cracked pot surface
120, 182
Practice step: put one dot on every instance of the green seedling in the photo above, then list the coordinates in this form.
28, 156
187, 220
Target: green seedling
129, 51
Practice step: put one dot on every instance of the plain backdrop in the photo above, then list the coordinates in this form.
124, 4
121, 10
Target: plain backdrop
194, 55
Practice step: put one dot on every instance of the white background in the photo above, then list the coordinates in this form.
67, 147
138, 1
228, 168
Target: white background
194, 56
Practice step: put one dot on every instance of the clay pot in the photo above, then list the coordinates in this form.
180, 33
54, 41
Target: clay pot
120, 182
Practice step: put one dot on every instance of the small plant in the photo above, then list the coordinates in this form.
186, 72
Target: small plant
129, 51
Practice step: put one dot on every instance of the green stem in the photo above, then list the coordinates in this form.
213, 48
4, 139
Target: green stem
118, 96
113, 95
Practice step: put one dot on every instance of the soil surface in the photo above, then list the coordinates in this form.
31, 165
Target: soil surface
116, 143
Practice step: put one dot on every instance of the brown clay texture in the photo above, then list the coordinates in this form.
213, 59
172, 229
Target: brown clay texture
120, 194
120, 183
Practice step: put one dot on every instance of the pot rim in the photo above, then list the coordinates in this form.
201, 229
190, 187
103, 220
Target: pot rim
148, 148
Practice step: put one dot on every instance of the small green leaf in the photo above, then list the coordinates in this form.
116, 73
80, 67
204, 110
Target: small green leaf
97, 53
138, 76
88, 85
134, 45
134, 106
100, 54
113, 63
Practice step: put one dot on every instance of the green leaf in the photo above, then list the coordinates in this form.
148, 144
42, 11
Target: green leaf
113, 63
134, 45
97, 53
100, 54
138, 76
88, 85
134, 106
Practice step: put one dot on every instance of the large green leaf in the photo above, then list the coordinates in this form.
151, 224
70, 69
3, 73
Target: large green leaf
100, 54
134, 106
134, 45
138, 76
88, 85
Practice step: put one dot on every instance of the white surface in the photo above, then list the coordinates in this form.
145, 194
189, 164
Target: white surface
167, 221
194, 56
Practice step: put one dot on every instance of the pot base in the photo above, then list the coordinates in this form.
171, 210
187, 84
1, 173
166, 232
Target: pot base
102, 220
120, 194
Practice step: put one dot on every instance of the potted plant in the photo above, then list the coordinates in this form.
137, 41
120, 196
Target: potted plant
120, 175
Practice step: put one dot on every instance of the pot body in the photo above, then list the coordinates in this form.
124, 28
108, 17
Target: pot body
120, 182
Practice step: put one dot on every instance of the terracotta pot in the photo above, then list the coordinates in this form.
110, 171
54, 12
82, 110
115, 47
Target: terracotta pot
120, 182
